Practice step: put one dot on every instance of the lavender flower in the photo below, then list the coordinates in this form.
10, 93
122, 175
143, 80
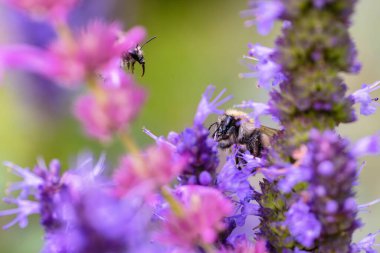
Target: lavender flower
23, 210
366, 244
265, 14
202, 153
302, 224
96, 221
206, 106
75, 210
258, 109
196, 144
265, 70
362, 96
42, 184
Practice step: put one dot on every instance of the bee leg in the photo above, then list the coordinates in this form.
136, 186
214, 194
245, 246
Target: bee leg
143, 69
254, 143
128, 65
224, 144
133, 67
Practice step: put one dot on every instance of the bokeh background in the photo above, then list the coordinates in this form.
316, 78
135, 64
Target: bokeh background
199, 43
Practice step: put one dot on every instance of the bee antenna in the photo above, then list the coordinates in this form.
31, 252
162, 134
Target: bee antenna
146, 42
213, 124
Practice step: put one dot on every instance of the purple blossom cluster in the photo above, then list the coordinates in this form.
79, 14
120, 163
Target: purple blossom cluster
181, 194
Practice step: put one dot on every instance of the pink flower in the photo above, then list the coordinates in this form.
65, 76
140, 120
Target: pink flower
201, 220
70, 61
95, 50
55, 10
145, 172
26, 57
114, 105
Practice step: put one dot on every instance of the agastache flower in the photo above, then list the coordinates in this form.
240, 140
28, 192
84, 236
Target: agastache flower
96, 49
367, 244
362, 96
42, 184
258, 109
70, 61
303, 224
112, 106
369, 145
197, 145
96, 221
155, 167
266, 71
265, 14
23, 210
81, 219
202, 153
200, 220
207, 106
329, 196
234, 181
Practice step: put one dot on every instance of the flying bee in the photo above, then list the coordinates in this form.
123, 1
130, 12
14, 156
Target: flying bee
236, 127
135, 55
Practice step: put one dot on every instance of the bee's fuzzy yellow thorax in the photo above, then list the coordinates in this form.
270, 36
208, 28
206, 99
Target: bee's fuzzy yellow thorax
238, 114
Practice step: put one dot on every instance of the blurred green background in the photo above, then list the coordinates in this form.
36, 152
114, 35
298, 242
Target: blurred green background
199, 43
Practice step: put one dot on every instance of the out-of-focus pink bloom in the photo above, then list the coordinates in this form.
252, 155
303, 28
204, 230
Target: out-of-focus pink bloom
111, 108
26, 57
55, 10
145, 172
69, 61
201, 219
131, 38
95, 50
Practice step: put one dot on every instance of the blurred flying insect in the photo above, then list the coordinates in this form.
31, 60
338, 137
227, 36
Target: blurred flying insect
236, 127
135, 55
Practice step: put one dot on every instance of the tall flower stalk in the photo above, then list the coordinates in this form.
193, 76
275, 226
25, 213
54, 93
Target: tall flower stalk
307, 200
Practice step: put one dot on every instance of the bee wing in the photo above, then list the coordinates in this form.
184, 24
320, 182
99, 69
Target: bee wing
269, 131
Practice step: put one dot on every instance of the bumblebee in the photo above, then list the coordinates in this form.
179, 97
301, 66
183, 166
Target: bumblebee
236, 127
135, 55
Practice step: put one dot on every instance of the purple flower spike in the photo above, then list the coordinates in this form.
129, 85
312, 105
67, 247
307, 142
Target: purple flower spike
206, 106
362, 96
303, 224
265, 13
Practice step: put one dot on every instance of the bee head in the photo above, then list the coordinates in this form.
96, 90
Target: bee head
226, 125
137, 54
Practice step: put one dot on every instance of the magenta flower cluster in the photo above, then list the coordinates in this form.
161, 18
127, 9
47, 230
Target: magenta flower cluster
180, 194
